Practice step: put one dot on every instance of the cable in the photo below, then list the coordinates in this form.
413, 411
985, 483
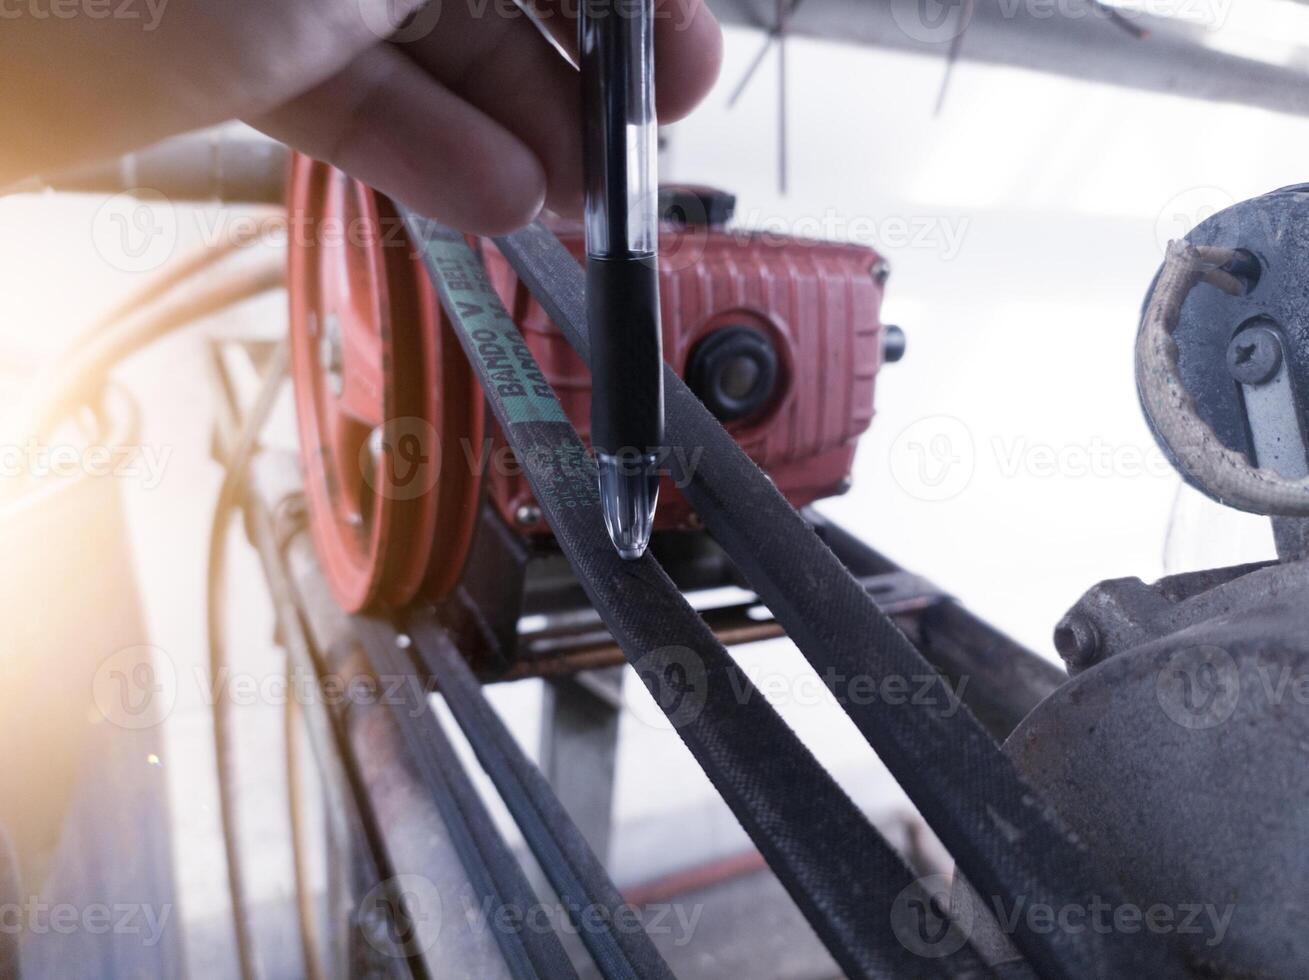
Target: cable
64, 389
174, 274
1195, 446
146, 315
309, 937
229, 496
60, 388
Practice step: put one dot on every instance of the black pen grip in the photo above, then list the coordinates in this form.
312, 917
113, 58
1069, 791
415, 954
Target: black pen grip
627, 368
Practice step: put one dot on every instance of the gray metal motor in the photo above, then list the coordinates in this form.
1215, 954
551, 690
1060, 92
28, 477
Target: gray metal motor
1179, 748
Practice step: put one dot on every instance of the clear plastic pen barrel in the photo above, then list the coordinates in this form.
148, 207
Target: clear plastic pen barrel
616, 43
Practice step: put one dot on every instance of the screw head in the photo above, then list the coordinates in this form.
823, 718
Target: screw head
1254, 355
1077, 640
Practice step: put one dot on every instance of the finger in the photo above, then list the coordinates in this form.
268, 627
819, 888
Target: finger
503, 66
688, 55
688, 48
390, 124
493, 56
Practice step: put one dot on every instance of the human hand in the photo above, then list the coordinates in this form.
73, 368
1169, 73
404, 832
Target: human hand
459, 108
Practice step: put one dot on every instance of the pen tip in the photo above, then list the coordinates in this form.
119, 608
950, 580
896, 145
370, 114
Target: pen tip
629, 492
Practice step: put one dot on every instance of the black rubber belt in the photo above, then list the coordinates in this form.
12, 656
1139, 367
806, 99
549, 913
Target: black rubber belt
1007, 842
838, 869
616, 941
492, 869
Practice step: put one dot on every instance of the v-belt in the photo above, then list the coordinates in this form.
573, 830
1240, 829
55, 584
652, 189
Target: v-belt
848, 882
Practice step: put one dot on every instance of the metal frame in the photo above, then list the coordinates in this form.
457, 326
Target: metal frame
390, 771
1082, 39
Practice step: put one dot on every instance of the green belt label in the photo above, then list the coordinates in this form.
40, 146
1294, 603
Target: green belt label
505, 361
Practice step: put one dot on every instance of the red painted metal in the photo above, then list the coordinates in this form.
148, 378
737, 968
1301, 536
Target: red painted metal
818, 302
385, 400
392, 423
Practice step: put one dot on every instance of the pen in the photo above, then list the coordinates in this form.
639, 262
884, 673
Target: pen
616, 44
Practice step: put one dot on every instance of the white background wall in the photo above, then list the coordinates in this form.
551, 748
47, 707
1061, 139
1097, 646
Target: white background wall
1023, 225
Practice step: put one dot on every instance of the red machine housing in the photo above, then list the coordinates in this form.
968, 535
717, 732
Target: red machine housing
818, 304
781, 337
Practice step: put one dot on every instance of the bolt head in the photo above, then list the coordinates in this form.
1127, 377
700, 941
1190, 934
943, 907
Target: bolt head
1077, 640
1254, 355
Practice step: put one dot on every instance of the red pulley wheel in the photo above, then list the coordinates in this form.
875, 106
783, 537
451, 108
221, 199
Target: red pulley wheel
385, 400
